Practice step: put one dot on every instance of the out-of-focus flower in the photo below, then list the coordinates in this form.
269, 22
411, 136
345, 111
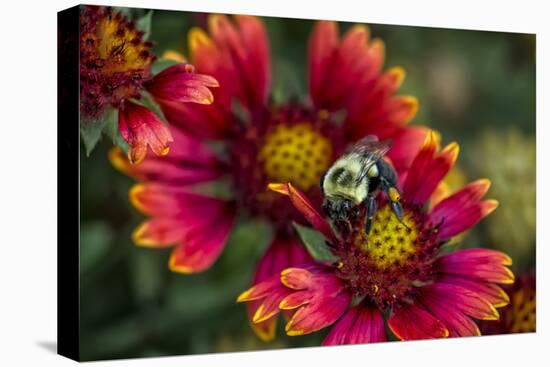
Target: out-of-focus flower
263, 142
449, 81
398, 270
508, 159
520, 315
115, 70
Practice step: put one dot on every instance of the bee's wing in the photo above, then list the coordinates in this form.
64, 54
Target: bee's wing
370, 147
371, 150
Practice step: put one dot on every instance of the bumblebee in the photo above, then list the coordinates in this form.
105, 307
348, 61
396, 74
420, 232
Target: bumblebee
356, 178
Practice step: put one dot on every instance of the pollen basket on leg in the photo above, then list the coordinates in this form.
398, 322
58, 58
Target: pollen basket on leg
295, 153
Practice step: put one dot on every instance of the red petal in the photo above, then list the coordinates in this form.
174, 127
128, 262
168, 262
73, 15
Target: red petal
295, 300
202, 121
477, 256
163, 170
141, 127
296, 278
359, 325
456, 322
282, 253
237, 55
261, 290
492, 293
301, 203
258, 60
406, 144
428, 169
318, 315
263, 305
158, 199
412, 322
188, 149
482, 264
345, 68
463, 300
203, 243
159, 232
463, 209
319, 305
322, 43
190, 162
179, 83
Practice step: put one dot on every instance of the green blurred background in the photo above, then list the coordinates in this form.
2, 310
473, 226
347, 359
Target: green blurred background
477, 88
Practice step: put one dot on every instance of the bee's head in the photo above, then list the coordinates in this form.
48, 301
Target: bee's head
339, 208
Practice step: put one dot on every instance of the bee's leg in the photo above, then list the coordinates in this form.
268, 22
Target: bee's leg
394, 196
371, 210
398, 210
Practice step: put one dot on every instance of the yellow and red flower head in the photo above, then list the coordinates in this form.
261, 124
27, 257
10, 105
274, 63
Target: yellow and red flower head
114, 60
397, 270
115, 67
520, 315
262, 142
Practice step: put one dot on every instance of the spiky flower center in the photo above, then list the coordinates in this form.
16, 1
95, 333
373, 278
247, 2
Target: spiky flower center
390, 242
114, 60
388, 265
523, 313
295, 153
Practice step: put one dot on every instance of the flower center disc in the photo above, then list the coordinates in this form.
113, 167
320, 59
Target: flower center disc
295, 153
121, 43
114, 60
389, 242
523, 312
386, 266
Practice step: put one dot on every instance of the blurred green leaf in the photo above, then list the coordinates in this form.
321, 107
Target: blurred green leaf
111, 130
219, 189
246, 243
95, 238
315, 243
144, 24
286, 83
91, 130
147, 270
161, 64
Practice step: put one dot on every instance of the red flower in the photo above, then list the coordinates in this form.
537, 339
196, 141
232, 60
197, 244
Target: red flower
115, 67
397, 270
520, 315
262, 142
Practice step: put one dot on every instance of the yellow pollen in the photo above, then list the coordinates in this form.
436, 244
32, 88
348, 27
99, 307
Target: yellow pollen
389, 242
295, 153
523, 311
123, 46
